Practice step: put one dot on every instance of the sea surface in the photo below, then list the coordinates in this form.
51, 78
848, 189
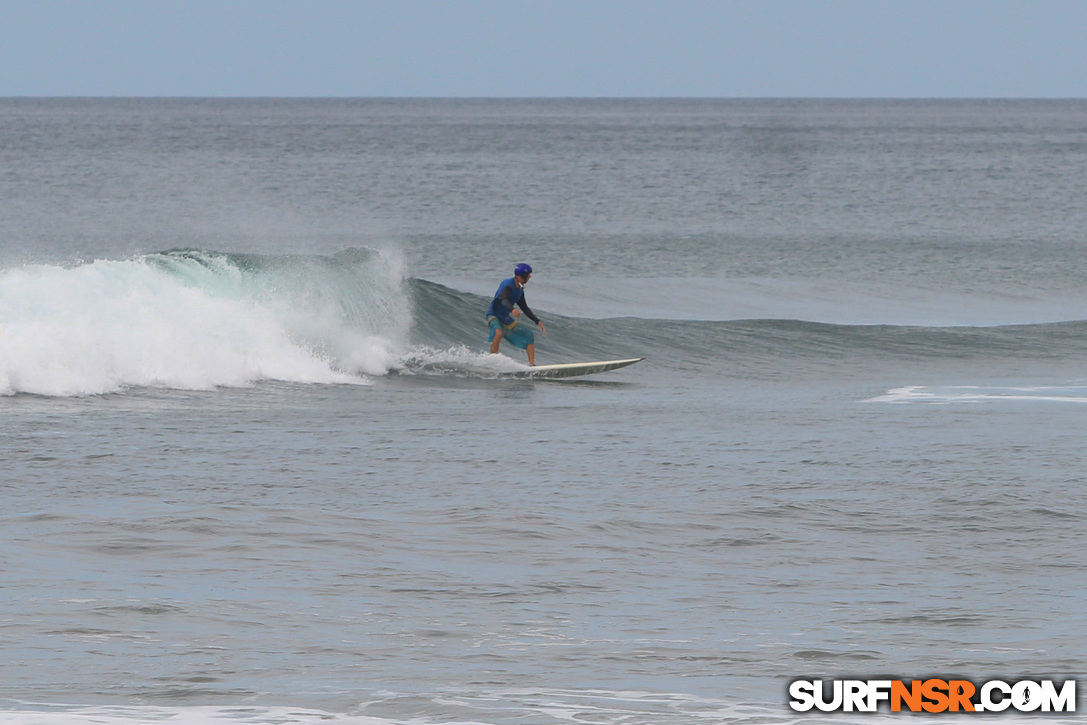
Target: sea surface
258, 467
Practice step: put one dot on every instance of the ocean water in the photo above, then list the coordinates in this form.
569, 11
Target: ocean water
258, 467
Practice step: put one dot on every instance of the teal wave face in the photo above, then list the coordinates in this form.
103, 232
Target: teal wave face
362, 287
447, 316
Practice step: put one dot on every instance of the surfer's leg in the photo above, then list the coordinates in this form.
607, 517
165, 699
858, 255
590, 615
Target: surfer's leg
496, 341
531, 350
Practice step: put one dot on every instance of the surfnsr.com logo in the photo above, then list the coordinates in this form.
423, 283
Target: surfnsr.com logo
932, 695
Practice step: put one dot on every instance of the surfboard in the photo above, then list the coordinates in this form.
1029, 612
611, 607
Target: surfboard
571, 370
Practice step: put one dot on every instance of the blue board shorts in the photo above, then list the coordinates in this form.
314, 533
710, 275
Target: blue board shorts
515, 333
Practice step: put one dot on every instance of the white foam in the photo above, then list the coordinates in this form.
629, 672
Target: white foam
110, 325
458, 360
949, 394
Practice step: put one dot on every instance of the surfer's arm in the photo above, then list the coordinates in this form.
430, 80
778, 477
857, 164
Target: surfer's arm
531, 315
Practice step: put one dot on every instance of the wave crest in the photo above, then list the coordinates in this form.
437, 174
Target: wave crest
194, 319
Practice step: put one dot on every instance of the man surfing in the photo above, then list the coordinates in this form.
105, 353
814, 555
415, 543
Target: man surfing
503, 313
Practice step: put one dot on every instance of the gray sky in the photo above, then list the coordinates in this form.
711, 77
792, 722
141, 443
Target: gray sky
502, 48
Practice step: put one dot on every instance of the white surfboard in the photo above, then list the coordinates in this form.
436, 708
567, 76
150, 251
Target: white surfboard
570, 370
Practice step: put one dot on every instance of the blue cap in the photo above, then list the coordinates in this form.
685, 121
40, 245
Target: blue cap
522, 270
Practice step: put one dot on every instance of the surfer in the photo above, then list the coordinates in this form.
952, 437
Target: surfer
503, 313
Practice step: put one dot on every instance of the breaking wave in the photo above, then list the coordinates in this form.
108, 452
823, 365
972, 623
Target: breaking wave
193, 319
196, 319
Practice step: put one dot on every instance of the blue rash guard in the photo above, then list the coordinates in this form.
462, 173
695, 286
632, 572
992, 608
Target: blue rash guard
508, 295
500, 314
